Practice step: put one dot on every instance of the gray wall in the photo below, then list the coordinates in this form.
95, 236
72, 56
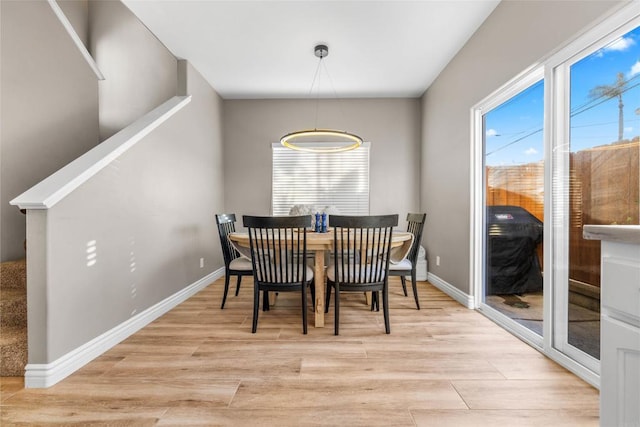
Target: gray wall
149, 214
516, 34
140, 73
48, 107
391, 125
77, 12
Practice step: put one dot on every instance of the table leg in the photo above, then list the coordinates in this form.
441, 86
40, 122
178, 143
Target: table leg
320, 289
367, 297
272, 298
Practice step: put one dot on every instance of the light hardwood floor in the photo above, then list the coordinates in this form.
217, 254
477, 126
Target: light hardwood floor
444, 365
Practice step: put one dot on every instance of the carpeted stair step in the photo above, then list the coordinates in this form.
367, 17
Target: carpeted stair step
13, 308
13, 274
13, 352
13, 318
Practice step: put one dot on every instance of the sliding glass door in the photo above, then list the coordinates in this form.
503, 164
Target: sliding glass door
555, 149
596, 180
513, 167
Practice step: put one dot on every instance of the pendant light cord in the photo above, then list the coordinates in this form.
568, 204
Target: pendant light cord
316, 76
335, 93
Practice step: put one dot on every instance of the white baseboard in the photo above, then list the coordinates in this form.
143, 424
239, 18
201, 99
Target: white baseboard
46, 375
452, 291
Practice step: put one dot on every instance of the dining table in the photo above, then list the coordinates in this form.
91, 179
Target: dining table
321, 243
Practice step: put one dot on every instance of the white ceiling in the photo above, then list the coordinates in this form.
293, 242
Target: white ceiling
264, 49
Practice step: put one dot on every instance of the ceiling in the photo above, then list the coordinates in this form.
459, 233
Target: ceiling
265, 49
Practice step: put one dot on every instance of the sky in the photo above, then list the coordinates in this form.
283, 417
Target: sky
514, 129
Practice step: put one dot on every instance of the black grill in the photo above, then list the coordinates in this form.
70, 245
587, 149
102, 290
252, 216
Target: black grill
512, 262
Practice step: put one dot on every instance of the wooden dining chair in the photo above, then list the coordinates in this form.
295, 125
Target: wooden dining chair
279, 258
234, 263
407, 267
360, 259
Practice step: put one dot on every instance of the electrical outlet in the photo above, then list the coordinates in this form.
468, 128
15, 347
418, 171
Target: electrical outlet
201, 262
437, 260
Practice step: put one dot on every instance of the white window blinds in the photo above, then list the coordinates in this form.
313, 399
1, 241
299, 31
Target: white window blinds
320, 179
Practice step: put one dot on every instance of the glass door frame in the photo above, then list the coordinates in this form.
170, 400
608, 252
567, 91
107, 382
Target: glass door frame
555, 71
559, 73
478, 173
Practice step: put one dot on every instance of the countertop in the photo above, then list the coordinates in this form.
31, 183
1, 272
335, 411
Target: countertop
613, 233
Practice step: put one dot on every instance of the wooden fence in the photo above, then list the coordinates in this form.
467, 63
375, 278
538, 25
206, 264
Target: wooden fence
604, 189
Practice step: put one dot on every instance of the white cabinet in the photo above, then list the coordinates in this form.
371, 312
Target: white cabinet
619, 374
620, 324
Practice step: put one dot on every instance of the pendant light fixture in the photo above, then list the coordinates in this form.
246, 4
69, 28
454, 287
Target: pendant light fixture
320, 140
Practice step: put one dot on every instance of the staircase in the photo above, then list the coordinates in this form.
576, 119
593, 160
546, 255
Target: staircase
13, 318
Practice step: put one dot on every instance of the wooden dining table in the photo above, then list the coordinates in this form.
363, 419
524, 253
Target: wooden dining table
319, 243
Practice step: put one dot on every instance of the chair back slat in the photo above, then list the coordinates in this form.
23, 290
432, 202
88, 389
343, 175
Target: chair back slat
415, 226
278, 248
361, 248
361, 255
226, 226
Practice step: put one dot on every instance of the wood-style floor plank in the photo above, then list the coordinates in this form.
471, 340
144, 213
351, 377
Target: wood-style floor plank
130, 393
443, 365
87, 415
290, 417
270, 349
194, 367
10, 386
530, 367
506, 417
568, 393
345, 393
398, 369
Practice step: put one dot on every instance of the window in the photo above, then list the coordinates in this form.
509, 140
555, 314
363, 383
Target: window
340, 180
